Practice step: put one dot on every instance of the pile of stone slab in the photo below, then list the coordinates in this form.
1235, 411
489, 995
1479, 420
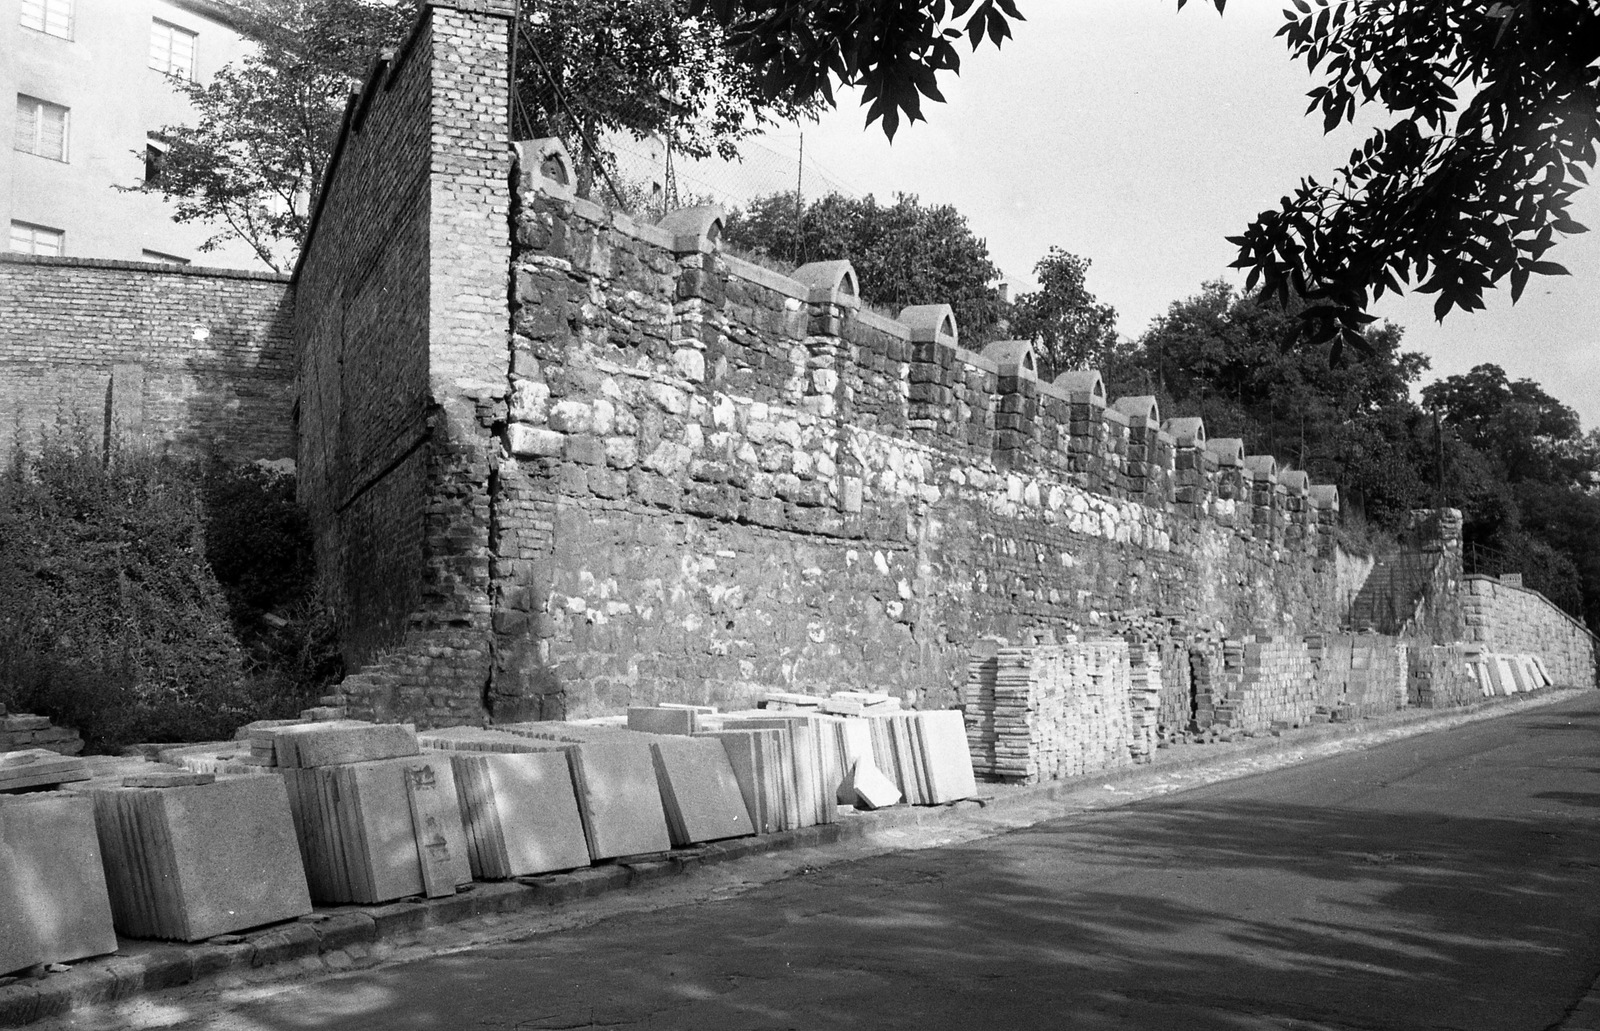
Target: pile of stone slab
614, 778
520, 812
190, 855
1049, 711
838, 703
54, 906
376, 820
762, 761
1500, 673
21, 731
924, 753
38, 769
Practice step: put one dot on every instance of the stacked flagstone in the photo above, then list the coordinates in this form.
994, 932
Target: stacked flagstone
21, 731
376, 819
1049, 711
762, 760
614, 775
54, 906
188, 855
37, 769
923, 754
816, 764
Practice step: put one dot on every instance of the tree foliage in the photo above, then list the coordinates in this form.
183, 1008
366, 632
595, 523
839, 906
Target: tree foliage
1498, 112
589, 68
1070, 327
894, 49
903, 253
1224, 357
253, 159
1497, 109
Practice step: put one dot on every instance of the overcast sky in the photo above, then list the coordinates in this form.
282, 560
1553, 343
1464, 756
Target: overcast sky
1139, 137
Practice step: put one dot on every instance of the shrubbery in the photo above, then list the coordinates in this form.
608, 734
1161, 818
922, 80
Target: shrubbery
133, 590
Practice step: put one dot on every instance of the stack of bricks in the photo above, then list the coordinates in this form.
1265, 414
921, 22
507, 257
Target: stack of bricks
1441, 677
1049, 711
1206, 674
1358, 675
1269, 680
1144, 698
20, 731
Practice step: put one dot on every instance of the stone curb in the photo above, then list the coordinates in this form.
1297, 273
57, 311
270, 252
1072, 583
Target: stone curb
336, 937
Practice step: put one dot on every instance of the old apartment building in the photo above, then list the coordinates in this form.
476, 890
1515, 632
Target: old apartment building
86, 84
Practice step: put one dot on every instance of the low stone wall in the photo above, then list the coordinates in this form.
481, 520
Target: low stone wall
1503, 617
193, 359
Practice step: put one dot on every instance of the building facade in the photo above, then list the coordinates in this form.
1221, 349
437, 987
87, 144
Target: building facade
85, 85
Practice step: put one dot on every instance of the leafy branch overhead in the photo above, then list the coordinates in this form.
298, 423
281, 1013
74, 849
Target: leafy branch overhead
1498, 109
894, 49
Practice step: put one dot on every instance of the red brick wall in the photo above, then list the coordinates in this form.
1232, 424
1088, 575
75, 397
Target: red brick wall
199, 360
402, 327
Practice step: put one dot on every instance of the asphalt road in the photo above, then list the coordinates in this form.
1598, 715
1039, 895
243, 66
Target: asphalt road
1450, 880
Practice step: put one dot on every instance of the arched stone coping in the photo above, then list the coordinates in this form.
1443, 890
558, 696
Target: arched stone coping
1143, 406
694, 229
1262, 466
1229, 450
931, 323
1189, 431
1297, 480
829, 282
1014, 357
1324, 495
1083, 386
547, 159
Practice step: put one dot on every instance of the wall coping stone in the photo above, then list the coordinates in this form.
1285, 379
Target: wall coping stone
884, 324
760, 275
157, 267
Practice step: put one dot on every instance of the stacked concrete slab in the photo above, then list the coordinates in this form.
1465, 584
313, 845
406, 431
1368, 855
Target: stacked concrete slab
54, 904
762, 761
614, 775
35, 769
924, 755
188, 855
376, 820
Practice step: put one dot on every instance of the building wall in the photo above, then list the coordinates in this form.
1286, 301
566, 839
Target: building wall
401, 328
1510, 619
102, 74
197, 360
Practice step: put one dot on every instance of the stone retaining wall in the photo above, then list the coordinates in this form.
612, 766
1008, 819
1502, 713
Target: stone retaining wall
1503, 617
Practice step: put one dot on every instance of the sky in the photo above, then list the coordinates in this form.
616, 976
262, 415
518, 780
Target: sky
1139, 137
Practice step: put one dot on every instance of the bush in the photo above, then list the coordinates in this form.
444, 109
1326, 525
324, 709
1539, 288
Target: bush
112, 620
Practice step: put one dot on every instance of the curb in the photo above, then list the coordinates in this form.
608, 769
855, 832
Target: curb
340, 937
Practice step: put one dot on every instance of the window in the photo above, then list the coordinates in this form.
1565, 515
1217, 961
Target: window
41, 128
171, 49
31, 239
155, 156
50, 16
162, 259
